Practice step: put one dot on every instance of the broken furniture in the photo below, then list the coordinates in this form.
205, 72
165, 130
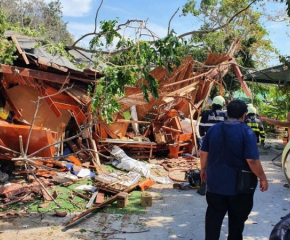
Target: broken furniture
134, 147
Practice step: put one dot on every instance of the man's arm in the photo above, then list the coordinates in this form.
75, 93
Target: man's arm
275, 122
203, 163
257, 169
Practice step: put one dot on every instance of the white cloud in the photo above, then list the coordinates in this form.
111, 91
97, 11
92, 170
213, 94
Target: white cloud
75, 8
157, 29
116, 10
79, 29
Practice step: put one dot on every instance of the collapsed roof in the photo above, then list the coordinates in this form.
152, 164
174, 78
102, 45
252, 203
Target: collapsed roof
63, 87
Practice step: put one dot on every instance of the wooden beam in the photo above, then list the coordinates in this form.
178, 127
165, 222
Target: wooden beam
53, 65
243, 83
14, 39
78, 113
62, 96
81, 216
108, 130
171, 129
193, 129
187, 80
179, 93
26, 72
49, 101
132, 121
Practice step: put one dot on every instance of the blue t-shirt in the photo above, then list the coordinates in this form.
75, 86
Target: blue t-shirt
240, 145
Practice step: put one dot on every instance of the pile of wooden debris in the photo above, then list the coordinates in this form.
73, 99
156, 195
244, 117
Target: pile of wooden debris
47, 127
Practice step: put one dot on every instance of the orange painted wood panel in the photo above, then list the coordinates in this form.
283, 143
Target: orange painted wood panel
40, 137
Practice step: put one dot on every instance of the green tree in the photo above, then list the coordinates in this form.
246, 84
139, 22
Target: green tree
37, 15
254, 48
223, 22
7, 48
130, 60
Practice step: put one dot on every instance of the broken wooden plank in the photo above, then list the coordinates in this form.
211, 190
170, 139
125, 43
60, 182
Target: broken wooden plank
242, 82
14, 39
26, 72
83, 215
109, 140
49, 101
51, 64
132, 121
78, 113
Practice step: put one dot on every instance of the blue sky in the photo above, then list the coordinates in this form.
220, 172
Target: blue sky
80, 15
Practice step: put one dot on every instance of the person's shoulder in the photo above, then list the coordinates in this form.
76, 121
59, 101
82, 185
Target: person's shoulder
206, 112
258, 120
225, 113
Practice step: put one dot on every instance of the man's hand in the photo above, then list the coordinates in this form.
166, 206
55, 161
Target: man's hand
203, 175
264, 185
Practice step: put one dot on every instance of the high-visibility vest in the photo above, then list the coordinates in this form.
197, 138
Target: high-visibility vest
257, 127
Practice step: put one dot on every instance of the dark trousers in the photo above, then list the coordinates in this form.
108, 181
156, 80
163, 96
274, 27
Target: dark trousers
238, 208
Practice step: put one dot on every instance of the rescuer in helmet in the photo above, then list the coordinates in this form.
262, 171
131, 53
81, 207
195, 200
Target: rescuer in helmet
212, 116
209, 118
255, 123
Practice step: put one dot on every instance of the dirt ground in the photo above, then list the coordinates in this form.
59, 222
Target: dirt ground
175, 214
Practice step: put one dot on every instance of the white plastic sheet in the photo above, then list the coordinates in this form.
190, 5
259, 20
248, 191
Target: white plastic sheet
124, 162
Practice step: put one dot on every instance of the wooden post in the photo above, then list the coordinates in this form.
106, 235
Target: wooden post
193, 130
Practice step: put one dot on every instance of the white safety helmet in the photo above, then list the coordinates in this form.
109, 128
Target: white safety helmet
219, 100
251, 109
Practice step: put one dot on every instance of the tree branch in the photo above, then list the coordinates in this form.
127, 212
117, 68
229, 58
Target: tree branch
99, 51
217, 28
96, 18
170, 21
104, 33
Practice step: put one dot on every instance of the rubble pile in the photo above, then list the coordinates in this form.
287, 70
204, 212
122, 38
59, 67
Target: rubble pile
51, 137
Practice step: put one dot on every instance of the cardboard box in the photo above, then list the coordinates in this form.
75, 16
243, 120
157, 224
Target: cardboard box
146, 199
122, 199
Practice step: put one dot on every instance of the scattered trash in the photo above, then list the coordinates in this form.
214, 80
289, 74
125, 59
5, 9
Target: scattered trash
86, 188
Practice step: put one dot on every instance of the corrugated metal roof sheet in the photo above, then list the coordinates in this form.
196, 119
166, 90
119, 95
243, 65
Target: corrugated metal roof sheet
276, 75
31, 48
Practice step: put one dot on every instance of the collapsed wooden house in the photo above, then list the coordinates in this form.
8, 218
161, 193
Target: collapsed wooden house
61, 118
46, 119
185, 91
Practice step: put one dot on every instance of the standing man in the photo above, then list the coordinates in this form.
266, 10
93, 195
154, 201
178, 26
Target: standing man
222, 196
255, 123
212, 116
